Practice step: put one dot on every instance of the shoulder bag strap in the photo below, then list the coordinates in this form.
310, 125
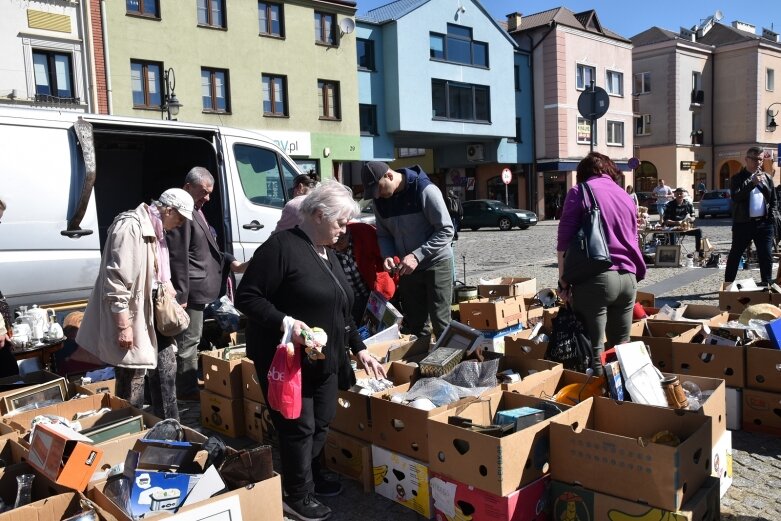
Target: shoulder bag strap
592, 200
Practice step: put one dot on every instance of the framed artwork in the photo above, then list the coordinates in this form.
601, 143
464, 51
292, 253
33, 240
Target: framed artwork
35, 396
459, 336
668, 256
101, 433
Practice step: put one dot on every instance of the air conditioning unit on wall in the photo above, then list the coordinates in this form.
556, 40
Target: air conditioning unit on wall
475, 152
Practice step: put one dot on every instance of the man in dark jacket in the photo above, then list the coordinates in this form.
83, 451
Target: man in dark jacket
678, 211
753, 207
197, 274
456, 211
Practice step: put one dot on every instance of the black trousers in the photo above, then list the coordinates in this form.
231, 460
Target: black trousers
761, 232
302, 440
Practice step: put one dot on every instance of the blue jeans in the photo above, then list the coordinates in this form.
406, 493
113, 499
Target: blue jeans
660, 209
761, 232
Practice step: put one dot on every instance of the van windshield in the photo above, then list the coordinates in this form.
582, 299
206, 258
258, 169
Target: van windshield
264, 175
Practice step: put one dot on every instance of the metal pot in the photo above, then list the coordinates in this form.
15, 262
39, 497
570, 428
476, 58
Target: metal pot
465, 293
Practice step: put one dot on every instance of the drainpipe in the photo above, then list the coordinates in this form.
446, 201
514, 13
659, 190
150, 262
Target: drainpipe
89, 55
106, 61
714, 174
532, 177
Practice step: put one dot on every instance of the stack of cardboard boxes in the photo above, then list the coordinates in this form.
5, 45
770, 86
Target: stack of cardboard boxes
222, 405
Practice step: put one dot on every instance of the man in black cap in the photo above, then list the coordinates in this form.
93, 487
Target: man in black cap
302, 185
414, 231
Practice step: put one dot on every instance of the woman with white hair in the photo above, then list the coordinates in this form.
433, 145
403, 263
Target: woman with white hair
296, 274
118, 325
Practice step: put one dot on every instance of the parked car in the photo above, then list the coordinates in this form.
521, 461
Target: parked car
367, 212
716, 202
647, 199
487, 213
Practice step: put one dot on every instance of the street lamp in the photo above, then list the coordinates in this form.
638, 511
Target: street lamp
771, 125
170, 105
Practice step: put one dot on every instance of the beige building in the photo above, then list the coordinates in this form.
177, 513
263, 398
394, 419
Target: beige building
284, 69
704, 96
569, 51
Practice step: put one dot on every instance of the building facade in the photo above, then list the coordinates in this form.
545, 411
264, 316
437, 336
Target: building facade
284, 69
442, 78
568, 52
44, 62
704, 96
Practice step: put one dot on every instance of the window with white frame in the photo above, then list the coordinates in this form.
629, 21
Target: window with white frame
615, 133
642, 83
412, 152
585, 75
642, 125
770, 79
614, 83
584, 132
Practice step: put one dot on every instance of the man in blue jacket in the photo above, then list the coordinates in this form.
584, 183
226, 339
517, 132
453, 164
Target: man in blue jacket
414, 231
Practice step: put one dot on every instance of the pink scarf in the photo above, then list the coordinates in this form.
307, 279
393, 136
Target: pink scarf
164, 268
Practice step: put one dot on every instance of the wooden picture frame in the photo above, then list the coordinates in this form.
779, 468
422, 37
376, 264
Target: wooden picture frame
26, 398
668, 256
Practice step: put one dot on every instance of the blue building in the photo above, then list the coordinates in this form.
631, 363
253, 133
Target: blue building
443, 75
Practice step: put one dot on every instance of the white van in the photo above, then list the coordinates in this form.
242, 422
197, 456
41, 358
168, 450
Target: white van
65, 176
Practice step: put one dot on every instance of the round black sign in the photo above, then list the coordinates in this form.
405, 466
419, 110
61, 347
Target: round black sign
593, 104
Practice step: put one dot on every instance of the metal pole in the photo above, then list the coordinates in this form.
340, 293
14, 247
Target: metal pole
593, 111
506, 199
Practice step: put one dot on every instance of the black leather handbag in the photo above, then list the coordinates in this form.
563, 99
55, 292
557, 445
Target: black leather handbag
587, 255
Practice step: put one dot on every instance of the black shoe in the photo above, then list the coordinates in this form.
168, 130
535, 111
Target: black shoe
307, 508
327, 487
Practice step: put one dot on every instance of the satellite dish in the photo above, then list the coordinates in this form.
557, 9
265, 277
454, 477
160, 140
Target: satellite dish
718, 16
347, 25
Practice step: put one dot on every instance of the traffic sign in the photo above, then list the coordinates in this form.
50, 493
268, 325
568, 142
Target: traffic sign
507, 176
593, 104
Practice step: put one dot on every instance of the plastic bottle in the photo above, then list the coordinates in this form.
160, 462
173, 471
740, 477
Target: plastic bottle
693, 393
24, 492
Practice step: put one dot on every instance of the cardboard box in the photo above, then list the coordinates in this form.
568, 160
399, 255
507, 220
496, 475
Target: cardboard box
456, 500
520, 344
722, 462
547, 385
763, 367
761, 412
508, 287
402, 348
530, 371
737, 301
33, 387
260, 501
710, 315
223, 377
612, 453
659, 338
105, 386
493, 314
536, 313
734, 399
493, 464
403, 480
646, 299
222, 414
350, 457
576, 502
249, 382
63, 455
258, 424
353, 410
53, 508
713, 361
401, 428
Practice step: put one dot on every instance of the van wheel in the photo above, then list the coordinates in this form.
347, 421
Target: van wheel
505, 224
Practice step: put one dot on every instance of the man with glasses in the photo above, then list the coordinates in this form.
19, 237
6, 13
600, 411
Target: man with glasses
302, 185
678, 211
753, 206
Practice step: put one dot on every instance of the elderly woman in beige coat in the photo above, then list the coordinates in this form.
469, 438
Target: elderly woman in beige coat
118, 325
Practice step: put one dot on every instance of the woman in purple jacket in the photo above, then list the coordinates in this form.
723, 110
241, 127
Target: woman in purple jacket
603, 303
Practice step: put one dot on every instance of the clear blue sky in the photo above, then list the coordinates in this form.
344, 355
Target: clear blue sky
630, 17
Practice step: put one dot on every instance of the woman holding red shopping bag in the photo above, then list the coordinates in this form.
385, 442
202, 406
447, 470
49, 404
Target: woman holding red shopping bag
295, 278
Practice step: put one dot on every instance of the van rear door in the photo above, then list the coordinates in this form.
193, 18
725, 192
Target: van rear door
261, 180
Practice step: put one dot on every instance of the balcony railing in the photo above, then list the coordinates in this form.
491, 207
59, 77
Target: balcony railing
698, 97
56, 100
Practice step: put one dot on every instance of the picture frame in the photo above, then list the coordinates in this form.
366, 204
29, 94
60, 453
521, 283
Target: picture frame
668, 256
460, 336
101, 433
26, 398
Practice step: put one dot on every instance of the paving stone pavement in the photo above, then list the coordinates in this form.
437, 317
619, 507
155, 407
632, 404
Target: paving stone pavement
755, 494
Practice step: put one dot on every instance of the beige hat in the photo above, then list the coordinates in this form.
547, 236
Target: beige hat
180, 200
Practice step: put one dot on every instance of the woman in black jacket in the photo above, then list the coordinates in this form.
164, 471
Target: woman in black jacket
296, 274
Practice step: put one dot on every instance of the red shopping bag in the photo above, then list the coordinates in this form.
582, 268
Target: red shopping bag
284, 378
284, 383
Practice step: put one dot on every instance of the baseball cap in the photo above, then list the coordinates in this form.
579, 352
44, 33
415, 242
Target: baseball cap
180, 200
303, 179
371, 173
